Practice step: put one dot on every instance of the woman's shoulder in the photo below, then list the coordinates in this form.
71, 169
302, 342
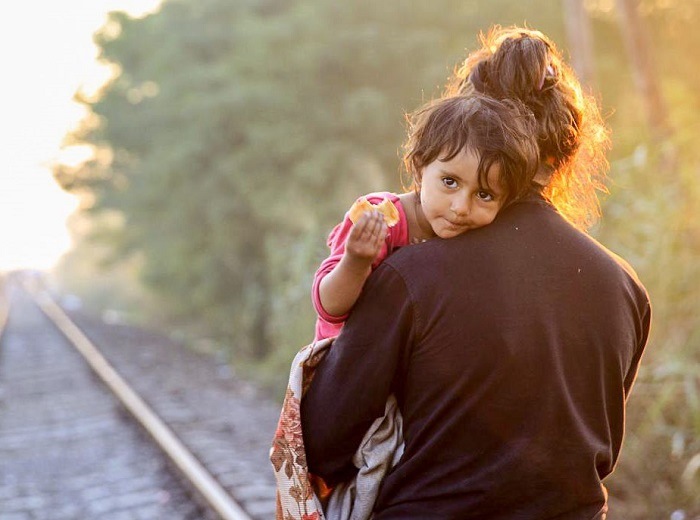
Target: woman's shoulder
616, 262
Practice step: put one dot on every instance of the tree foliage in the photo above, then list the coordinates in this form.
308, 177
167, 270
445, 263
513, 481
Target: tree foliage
235, 130
236, 133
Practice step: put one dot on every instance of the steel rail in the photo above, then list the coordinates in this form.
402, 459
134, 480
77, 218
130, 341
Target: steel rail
4, 304
205, 485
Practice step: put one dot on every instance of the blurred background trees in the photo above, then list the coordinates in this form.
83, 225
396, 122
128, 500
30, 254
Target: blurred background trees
235, 134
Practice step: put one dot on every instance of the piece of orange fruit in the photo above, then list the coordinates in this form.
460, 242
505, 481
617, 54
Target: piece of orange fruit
385, 207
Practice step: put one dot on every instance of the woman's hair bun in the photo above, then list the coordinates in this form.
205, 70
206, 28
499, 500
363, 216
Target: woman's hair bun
520, 63
479, 76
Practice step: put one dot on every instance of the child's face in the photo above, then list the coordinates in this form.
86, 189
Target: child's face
452, 199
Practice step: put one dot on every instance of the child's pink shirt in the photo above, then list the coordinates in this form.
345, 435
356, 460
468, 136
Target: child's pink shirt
328, 326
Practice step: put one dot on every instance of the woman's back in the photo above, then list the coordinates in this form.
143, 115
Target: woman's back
523, 334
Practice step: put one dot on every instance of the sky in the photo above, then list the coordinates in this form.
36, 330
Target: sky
46, 55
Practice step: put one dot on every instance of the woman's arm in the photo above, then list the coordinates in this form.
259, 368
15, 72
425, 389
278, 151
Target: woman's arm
352, 383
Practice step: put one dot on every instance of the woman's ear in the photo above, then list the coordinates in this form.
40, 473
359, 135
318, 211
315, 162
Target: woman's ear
543, 174
545, 170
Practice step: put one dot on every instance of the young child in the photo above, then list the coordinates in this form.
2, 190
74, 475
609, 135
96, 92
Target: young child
516, 64
468, 157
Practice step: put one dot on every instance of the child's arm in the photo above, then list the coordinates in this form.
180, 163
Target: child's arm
339, 289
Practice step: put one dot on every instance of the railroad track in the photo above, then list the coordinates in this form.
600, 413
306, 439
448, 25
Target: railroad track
213, 430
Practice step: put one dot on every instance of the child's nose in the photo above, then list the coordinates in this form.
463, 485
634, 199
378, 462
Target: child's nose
461, 206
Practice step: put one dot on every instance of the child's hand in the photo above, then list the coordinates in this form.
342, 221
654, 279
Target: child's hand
339, 290
366, 238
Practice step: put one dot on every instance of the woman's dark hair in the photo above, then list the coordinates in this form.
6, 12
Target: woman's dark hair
501, 133
522, 64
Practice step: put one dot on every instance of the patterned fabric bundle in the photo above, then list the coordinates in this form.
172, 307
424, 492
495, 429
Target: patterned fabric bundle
300, 495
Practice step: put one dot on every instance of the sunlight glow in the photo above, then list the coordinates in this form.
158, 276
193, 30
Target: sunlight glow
46, 56
74, 156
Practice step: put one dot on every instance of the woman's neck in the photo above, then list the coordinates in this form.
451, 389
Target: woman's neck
419, 229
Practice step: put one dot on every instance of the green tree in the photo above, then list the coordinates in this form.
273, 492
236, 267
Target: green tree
233, 132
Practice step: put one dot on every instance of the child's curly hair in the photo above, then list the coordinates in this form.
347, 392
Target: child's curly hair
501, 133
523, 64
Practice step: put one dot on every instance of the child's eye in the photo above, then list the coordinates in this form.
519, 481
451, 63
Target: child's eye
485, 195
449, 182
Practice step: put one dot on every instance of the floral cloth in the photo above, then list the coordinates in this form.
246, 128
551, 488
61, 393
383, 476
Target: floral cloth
300, 495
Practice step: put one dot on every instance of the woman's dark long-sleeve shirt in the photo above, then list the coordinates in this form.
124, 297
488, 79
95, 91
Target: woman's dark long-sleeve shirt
511, 350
